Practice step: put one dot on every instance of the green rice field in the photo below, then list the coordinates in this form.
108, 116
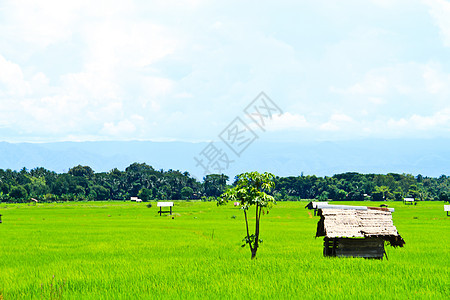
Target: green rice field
123, 250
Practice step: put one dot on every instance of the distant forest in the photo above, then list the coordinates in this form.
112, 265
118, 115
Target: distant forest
143, 181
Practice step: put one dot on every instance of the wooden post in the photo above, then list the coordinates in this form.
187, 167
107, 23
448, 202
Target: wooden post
326, 247
0, 219
334, 246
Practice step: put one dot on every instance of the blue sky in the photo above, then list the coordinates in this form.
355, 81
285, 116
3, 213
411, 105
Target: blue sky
183, 70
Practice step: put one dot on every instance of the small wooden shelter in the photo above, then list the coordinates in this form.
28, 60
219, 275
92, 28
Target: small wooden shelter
356, 232
409, 201
165, 204
136, 199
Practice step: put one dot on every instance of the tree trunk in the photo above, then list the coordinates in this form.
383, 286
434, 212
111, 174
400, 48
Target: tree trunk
248, 233
258, 215
254, 252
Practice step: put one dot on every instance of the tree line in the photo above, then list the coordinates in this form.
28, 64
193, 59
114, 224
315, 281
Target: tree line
141, 180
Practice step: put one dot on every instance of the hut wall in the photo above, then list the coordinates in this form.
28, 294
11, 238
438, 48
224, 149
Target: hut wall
366, 247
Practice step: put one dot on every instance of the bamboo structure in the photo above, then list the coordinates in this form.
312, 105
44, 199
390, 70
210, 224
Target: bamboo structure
357, 233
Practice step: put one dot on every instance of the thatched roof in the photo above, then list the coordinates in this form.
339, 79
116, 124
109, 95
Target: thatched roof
340, 223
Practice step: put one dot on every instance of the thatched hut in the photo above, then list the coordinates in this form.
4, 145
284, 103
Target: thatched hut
357, 233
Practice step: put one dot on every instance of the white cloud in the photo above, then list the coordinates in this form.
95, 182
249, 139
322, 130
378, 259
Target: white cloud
126, 44
120, 129
329, 126
337, 121
383, 3
287, 121
90, 85
87, 69
403, 79
437, 121
436, 81
440, 11
338, 117
396, 92
39, 80
11, 77
43, 23
416, 125
154, 87
376, 100
371, 85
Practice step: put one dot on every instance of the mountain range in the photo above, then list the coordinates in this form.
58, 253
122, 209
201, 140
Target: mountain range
429, 157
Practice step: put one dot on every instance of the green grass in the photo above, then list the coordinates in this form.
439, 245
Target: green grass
117, 250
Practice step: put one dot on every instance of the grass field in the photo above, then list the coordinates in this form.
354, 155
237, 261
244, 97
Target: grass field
118, 250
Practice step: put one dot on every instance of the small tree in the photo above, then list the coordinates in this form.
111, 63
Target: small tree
251, 189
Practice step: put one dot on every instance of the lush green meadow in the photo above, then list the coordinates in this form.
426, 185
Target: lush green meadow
123, 250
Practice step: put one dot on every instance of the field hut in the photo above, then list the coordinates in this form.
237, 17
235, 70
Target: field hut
33, 201
409, 201
136, 199
356, 232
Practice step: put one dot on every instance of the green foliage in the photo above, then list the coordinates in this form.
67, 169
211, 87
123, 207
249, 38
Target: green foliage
186, 193
324, 196
398, 196
49, 198
209, 199
81, 171
251, 189
444, 196
18, 193
4, 188
362, 186
82, 183
145, 194
383, 190
377, 196
101, 192
215, 184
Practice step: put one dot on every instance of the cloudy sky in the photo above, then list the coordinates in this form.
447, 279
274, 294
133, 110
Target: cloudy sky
183, 70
